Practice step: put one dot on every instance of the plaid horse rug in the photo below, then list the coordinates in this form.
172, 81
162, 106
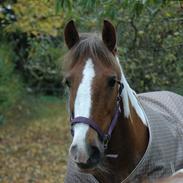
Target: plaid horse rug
164, 154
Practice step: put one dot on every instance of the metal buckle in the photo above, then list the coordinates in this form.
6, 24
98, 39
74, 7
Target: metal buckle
106, 140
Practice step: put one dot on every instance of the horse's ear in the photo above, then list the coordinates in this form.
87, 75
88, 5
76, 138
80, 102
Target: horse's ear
71, 34
109, 36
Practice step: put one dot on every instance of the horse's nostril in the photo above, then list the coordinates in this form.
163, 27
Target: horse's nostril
95, 155
73, 150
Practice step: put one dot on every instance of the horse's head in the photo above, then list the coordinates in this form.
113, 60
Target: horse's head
93, 76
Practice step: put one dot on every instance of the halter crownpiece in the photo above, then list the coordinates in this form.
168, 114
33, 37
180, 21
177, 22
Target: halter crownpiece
104, 137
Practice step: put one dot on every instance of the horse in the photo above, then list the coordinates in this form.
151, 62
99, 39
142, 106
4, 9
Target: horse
118, 135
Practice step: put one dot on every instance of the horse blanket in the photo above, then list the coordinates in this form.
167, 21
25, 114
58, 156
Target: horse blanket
164, 154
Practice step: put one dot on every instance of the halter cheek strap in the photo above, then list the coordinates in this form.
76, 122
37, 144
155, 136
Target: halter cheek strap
104, 137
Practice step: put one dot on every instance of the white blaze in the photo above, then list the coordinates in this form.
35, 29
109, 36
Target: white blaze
83, 101
82, 107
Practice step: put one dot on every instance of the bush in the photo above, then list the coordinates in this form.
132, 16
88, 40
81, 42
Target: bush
151, 49
149, 34
10, 83
42, 66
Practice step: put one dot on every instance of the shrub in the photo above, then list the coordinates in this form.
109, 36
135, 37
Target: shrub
149, 34
151, 49
10, 83
42, 66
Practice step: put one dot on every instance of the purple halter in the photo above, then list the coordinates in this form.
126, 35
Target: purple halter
104, 137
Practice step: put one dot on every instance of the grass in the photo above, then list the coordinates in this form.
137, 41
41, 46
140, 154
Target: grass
34, 141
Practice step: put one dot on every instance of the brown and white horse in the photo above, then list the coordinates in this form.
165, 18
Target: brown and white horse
109, 126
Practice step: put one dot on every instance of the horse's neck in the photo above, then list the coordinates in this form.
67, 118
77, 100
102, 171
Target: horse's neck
129, 142
136, 119
129, 139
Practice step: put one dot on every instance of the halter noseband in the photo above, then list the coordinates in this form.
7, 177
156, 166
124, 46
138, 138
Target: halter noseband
104, 137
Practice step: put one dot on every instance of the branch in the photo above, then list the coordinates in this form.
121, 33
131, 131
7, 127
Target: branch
135, 31
174, 46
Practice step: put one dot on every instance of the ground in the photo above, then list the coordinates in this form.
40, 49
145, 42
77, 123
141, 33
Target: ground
34, 141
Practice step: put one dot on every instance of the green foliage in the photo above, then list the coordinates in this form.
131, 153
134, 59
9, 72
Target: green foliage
150, 49
36, 17
42, 66
10, 85
110, 7
34, 35
150, 42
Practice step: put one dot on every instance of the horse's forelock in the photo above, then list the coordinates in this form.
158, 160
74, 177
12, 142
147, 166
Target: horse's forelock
90, 46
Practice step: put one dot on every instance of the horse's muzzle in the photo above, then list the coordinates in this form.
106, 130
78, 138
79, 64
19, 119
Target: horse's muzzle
89, 161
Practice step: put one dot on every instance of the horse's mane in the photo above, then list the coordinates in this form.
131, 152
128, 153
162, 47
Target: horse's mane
90, 45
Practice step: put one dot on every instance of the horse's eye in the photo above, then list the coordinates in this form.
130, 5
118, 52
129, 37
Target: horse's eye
68, 83
112, 81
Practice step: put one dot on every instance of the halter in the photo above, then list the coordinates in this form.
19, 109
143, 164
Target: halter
104, 137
